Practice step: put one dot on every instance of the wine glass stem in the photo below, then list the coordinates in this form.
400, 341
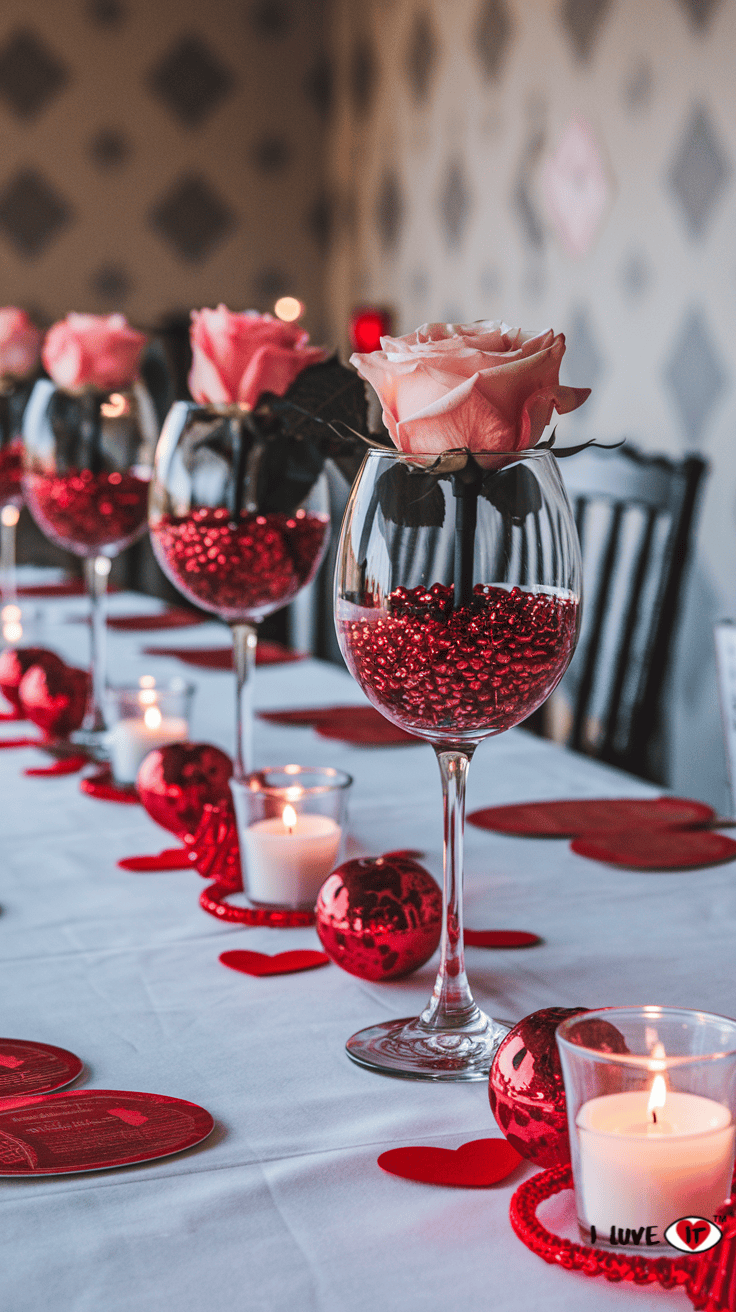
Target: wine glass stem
96, 570
451, 1005
8, 586
245, 640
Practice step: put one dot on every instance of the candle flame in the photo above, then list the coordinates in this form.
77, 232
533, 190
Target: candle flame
289, 818
152, 718
114, 407
658, 1095
10, 516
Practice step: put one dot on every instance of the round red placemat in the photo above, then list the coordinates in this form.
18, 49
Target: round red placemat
94, 1130
657, 849
590, 815
27, 1067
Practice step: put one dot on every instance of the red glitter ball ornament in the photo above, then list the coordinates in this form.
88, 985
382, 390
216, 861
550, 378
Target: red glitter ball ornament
175, 782
54, 697
380, 917
15, 661
526, 1091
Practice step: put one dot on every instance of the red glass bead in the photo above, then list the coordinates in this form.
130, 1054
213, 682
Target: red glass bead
240, 570
481, 668
86, 512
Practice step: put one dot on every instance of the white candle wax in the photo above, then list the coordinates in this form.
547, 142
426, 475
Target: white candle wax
286, 865
635, 1173
130, 740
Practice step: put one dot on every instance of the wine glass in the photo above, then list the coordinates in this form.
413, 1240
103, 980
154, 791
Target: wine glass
239, 523
13, 399
457, 608
87, 466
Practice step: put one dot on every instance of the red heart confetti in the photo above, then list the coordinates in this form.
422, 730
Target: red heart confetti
500, 938
66, 765
474, 1165
21, 742
657, 849
172, 858
128, 1115
283, 963
363, 726
568, 819
102, 785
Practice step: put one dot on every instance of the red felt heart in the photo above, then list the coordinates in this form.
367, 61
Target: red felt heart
172, 858
21, 742
101, 785
474, 1165
500, 938
283, 963
597, 815
657, 849
66, 765
176, 617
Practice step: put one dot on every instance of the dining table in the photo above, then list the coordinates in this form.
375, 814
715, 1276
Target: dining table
284, 1206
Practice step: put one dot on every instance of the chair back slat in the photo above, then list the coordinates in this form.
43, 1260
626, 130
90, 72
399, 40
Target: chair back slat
634, 515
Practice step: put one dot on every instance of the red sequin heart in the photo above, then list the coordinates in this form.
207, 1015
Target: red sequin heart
283, 963
474, 1165
500, 938
172, 858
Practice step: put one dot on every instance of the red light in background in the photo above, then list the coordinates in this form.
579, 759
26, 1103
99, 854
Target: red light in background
367, 326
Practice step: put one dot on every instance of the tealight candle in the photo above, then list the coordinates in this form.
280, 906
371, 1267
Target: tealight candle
652, 1133
130, 740
288, 858
145, 717
291, 820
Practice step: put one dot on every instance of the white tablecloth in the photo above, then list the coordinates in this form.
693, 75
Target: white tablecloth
284, 1206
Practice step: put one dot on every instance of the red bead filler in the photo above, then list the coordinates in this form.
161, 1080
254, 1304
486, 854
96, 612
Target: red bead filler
479, 669
669, 1272
11, 468
240, 570
85, 512
212, 900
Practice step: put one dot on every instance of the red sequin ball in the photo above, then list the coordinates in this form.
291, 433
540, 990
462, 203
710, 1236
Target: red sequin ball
85, 512
244, 569
483, 667
11, 468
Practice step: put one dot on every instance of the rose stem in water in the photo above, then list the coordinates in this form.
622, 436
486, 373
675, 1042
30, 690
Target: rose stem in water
465, 485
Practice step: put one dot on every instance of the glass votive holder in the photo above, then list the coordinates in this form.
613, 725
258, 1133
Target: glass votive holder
291, 827
651, 1097
149, 715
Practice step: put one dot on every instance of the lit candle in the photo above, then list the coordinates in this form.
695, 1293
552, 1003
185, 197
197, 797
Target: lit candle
132, 739
649, 1157
287, 859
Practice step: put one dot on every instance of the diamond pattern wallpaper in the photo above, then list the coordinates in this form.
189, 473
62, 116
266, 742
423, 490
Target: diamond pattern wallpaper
160, 156
440, 163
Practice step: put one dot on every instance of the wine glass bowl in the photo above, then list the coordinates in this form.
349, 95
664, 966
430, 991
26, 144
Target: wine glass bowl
87, 461
457, 609
239, 524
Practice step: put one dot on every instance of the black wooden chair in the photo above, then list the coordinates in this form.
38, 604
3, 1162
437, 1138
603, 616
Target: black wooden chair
634, 515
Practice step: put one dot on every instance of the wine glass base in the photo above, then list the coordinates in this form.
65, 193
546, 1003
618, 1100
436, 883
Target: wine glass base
411, 1050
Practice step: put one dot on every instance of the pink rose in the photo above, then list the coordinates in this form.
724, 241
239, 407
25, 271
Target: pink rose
99, 351
238, 357
20, 343
480, 386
